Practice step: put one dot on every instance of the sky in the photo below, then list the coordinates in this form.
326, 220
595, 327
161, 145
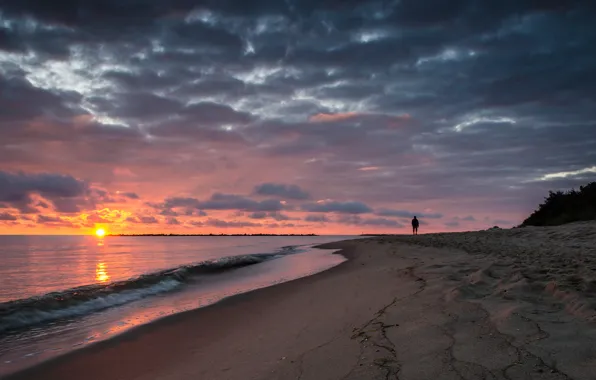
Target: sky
288, 116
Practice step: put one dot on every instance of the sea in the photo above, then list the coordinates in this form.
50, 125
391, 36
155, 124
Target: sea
62, 293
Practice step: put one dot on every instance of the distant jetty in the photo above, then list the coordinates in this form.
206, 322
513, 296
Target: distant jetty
212, 235
376, 234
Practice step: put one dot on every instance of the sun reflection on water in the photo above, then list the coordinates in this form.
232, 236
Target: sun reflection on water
101, 272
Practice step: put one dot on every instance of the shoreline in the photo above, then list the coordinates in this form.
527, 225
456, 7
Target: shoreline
141, 329
506, 304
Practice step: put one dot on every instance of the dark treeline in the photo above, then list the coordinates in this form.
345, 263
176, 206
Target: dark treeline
212, 235
565, 207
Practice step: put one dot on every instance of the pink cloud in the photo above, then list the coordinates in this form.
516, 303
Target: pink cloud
399, 120
329, 117
123, 172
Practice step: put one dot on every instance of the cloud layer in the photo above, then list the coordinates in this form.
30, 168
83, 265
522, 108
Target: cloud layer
301, 115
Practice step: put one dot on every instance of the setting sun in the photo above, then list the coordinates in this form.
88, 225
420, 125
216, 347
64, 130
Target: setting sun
100, 232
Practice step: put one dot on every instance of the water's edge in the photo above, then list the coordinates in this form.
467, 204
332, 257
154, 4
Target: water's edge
87, 299
172, 318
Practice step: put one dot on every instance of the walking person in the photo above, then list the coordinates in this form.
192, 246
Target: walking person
415, 224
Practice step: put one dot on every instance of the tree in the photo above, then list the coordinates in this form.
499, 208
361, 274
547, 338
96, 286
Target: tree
565, 207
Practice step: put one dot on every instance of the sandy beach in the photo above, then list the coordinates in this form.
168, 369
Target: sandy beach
498, 304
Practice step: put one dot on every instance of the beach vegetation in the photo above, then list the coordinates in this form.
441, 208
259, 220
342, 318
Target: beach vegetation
561, 207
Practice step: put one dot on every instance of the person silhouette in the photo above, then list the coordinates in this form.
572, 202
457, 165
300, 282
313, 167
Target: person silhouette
415, 224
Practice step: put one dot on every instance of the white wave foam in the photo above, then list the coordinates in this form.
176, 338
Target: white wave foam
24, 313
30, 317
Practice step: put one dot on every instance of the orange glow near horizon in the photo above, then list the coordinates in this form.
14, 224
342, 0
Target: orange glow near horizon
104, 222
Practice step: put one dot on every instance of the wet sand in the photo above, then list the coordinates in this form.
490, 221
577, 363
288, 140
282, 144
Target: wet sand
504, 304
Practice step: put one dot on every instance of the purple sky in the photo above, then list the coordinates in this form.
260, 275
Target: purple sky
291, 116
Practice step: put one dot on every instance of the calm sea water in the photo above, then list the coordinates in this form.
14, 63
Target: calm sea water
60, 293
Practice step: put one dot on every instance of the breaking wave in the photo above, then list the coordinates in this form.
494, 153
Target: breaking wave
90, 298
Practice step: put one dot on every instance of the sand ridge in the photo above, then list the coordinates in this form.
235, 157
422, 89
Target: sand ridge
527, 261
517, 303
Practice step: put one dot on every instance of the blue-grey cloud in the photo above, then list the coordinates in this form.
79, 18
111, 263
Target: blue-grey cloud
281, 190
351, 207
272, 215
142, 219
173, 222
317, 218
54, 221
229, 224
5, 216
130, 195
170, 212
359, 221
407, 214
65, 192
219, 201
194, 212
16, 186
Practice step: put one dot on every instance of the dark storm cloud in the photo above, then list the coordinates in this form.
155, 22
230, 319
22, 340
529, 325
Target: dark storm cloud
90, 18
139, 105
143, 79
21, 101
51, 43
202, 122
33, 115
217, 85
185, 36
351, 207
185, 131
359, 135
281, 190
9, 41
213, 113
144, 105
